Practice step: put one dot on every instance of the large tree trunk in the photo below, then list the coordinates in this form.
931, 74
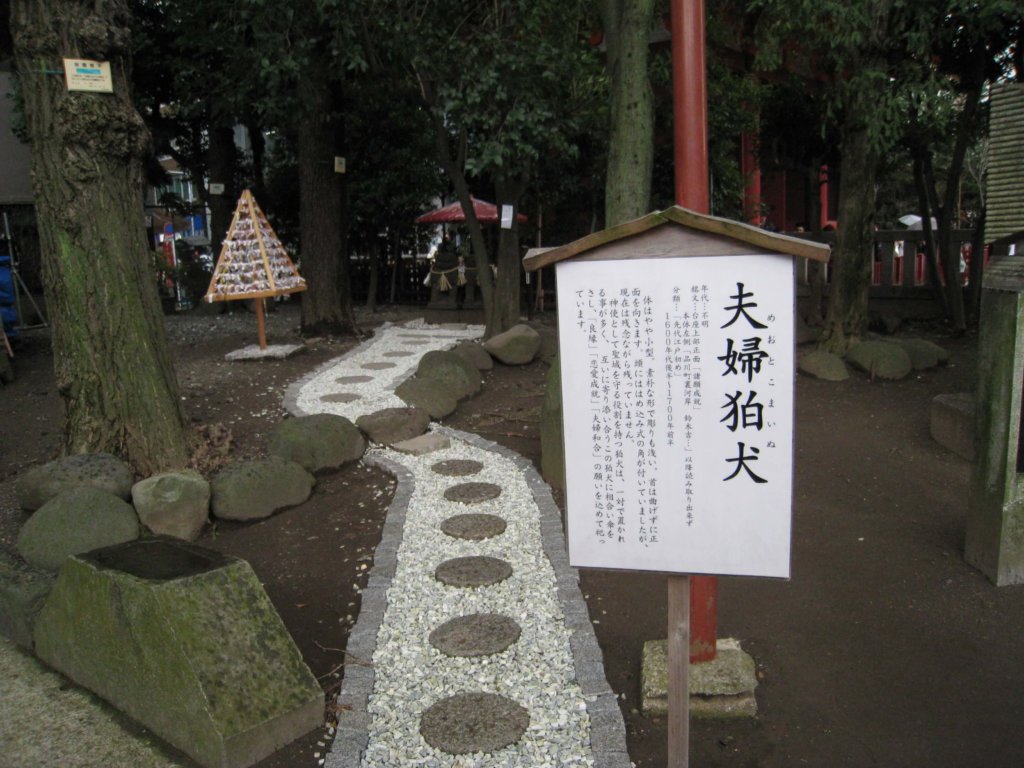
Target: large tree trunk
847, 317
507, 295
948, 221
221, 159
326, 308
627, 27
111, 362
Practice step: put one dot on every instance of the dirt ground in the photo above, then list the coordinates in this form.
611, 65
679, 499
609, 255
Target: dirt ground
884, 648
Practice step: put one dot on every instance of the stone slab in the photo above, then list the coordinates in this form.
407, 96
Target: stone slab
474, 722
185, 641
472, 493
423, 444
474, 571
473, 527
478, 634
457, 467
272, 352
722, 688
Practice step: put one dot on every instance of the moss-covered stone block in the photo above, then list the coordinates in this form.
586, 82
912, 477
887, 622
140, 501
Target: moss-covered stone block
184, 640
994, 542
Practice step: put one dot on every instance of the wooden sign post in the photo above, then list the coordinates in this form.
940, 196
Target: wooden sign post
676, 333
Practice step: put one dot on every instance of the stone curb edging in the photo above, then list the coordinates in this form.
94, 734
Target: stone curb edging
352, 735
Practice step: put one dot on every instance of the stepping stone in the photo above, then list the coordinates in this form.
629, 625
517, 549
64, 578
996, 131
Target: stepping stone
476, 571
472, 493
474, 722
457, 467
377, 366
427, 443
340, 397
353, 379
479, 634
399, 353
473, 527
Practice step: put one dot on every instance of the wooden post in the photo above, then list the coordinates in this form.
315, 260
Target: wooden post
678, 671
260, 324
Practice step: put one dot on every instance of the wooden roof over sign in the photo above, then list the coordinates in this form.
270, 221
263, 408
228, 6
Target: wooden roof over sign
726, 236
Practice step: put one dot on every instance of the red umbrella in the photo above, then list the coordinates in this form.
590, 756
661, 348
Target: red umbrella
486, 213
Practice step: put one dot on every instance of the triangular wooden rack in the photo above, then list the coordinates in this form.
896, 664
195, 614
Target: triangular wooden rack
252, 263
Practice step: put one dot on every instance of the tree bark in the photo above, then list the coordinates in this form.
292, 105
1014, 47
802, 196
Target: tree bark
847, 317
949, 250
507, 294
221, 159
326, 307
627, 26
111, 362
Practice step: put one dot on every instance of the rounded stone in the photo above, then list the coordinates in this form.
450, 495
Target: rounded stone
475, 571
473, 527
472, 493
377, 366
399, 353
479, 634
474, 722
340, 397
457, 467
353, 379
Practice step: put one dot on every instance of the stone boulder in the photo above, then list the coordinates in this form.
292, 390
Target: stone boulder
823, 365
880, 359
96, 470
518, 345
431, 395
552, 447
475, 354
455, 373
923, 353
76, 520
23, 590
394, 425
255, 489
185, 641
175, 504
317, 442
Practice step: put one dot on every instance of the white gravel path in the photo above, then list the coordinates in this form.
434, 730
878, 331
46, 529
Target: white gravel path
554, 670
415, 338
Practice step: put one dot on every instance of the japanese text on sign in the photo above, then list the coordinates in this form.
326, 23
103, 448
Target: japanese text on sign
679, 374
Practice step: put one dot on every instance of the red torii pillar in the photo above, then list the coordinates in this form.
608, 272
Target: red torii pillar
689, 102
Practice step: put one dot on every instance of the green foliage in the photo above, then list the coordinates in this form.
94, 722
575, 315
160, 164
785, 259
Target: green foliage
505, 75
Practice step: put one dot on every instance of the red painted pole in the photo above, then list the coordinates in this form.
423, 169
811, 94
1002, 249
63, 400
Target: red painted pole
689, 105
689, 110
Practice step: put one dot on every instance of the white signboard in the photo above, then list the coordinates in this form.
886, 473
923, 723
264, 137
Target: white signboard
85, 75
339, 164
677, 396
